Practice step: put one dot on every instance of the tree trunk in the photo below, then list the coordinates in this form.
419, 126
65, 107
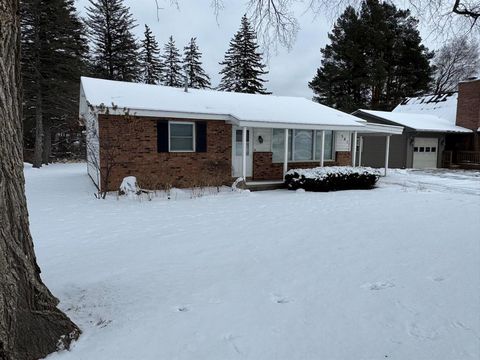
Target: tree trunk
31, 326
38, 149
47, 142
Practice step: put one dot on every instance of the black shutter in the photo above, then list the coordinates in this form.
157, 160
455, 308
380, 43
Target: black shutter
201, 138
162, 136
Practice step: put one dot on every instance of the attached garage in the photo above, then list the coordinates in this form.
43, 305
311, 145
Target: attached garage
420, 146
425, 153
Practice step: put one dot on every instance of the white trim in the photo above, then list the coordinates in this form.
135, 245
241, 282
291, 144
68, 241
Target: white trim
193, 136
387, 153
244, 153
285, 152
283, 125
354, 149
322, 150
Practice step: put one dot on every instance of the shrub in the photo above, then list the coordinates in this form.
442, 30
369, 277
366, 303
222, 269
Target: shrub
332, 178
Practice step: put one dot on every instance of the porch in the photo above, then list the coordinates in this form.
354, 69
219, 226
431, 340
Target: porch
260, 156
461, 159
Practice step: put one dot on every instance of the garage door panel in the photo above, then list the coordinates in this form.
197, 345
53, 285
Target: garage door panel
425, 153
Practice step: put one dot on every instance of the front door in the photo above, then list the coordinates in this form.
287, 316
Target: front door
425, 152
237, 152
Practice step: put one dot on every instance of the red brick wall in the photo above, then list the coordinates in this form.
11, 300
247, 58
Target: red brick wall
468, 108
132, 144
265, 169
343, 158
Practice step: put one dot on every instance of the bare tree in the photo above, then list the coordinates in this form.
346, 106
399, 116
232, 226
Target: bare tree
457, 60
276, 20
31, 325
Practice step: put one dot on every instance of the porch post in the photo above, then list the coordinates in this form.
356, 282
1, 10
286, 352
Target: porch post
285, 154
354, 149
244, 153
360, 151
322, 149
387, 152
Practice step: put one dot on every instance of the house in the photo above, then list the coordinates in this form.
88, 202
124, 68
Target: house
439, 131
185, 137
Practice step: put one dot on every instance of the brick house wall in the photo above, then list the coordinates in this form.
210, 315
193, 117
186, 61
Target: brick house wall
468, 109
131, 142
265, 169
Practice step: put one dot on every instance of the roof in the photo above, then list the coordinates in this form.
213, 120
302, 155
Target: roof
419, 122
241, 109
443, 106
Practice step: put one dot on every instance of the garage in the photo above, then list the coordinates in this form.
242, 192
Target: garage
425, 152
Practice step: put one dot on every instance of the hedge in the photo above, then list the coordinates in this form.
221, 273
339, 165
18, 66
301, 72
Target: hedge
332, 178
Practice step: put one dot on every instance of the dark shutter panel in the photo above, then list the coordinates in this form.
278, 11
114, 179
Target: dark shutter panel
201, 139
162, 136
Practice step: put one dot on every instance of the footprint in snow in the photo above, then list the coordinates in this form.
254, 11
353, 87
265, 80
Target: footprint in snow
182, 309
280, 299
379, 285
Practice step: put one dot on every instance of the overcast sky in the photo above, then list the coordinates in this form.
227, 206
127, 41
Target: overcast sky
290, 71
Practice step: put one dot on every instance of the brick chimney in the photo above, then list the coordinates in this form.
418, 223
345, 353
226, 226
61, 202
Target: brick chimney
468, 108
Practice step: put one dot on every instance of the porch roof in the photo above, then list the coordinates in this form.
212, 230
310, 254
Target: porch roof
240, 109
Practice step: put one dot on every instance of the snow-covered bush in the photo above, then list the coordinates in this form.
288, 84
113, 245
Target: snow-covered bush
332, 178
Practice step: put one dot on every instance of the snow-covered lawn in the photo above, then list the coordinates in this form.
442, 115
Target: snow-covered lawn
387, 273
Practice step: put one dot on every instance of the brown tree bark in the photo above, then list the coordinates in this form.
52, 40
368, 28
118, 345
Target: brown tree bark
38, 149
31, 326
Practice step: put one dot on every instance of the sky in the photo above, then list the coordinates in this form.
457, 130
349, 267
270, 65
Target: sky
289, 71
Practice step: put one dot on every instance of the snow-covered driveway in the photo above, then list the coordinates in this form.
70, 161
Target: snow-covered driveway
388, 273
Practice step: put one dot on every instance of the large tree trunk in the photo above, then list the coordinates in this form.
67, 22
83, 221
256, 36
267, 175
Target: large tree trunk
31, 326
47, 142
38, 150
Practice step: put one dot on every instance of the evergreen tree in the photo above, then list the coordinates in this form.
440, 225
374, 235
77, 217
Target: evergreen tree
242, 66
197, 77
115, 51
173, 75
374, 71
151, 66
53, 59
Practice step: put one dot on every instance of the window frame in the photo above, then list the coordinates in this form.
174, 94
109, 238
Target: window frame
292, 150
194, 143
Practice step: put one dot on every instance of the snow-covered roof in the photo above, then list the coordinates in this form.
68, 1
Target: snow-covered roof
443, 106
241, 109
419, 122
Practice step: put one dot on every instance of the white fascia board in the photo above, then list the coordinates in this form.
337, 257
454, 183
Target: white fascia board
171, 114
284, 125
373, 128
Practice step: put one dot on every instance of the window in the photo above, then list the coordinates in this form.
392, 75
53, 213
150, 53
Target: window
278, 145
303, 145
415, 149
328, 149
182, 137
306, 145
422, 149
239, 142
434, 149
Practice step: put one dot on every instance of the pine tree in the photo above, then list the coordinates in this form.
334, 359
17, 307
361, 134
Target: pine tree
115, 50
242, 66
374, 71
197, 77
54, 50
173, 74
151, 66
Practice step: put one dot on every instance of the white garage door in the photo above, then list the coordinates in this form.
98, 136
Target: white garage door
425, 151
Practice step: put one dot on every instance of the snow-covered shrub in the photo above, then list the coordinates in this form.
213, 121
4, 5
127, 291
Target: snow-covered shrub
129, 186
332, 178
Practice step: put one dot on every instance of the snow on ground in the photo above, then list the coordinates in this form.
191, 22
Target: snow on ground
387, 273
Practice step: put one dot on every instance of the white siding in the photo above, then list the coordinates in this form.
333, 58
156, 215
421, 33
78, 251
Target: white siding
93, 149
266, 135
342, 140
